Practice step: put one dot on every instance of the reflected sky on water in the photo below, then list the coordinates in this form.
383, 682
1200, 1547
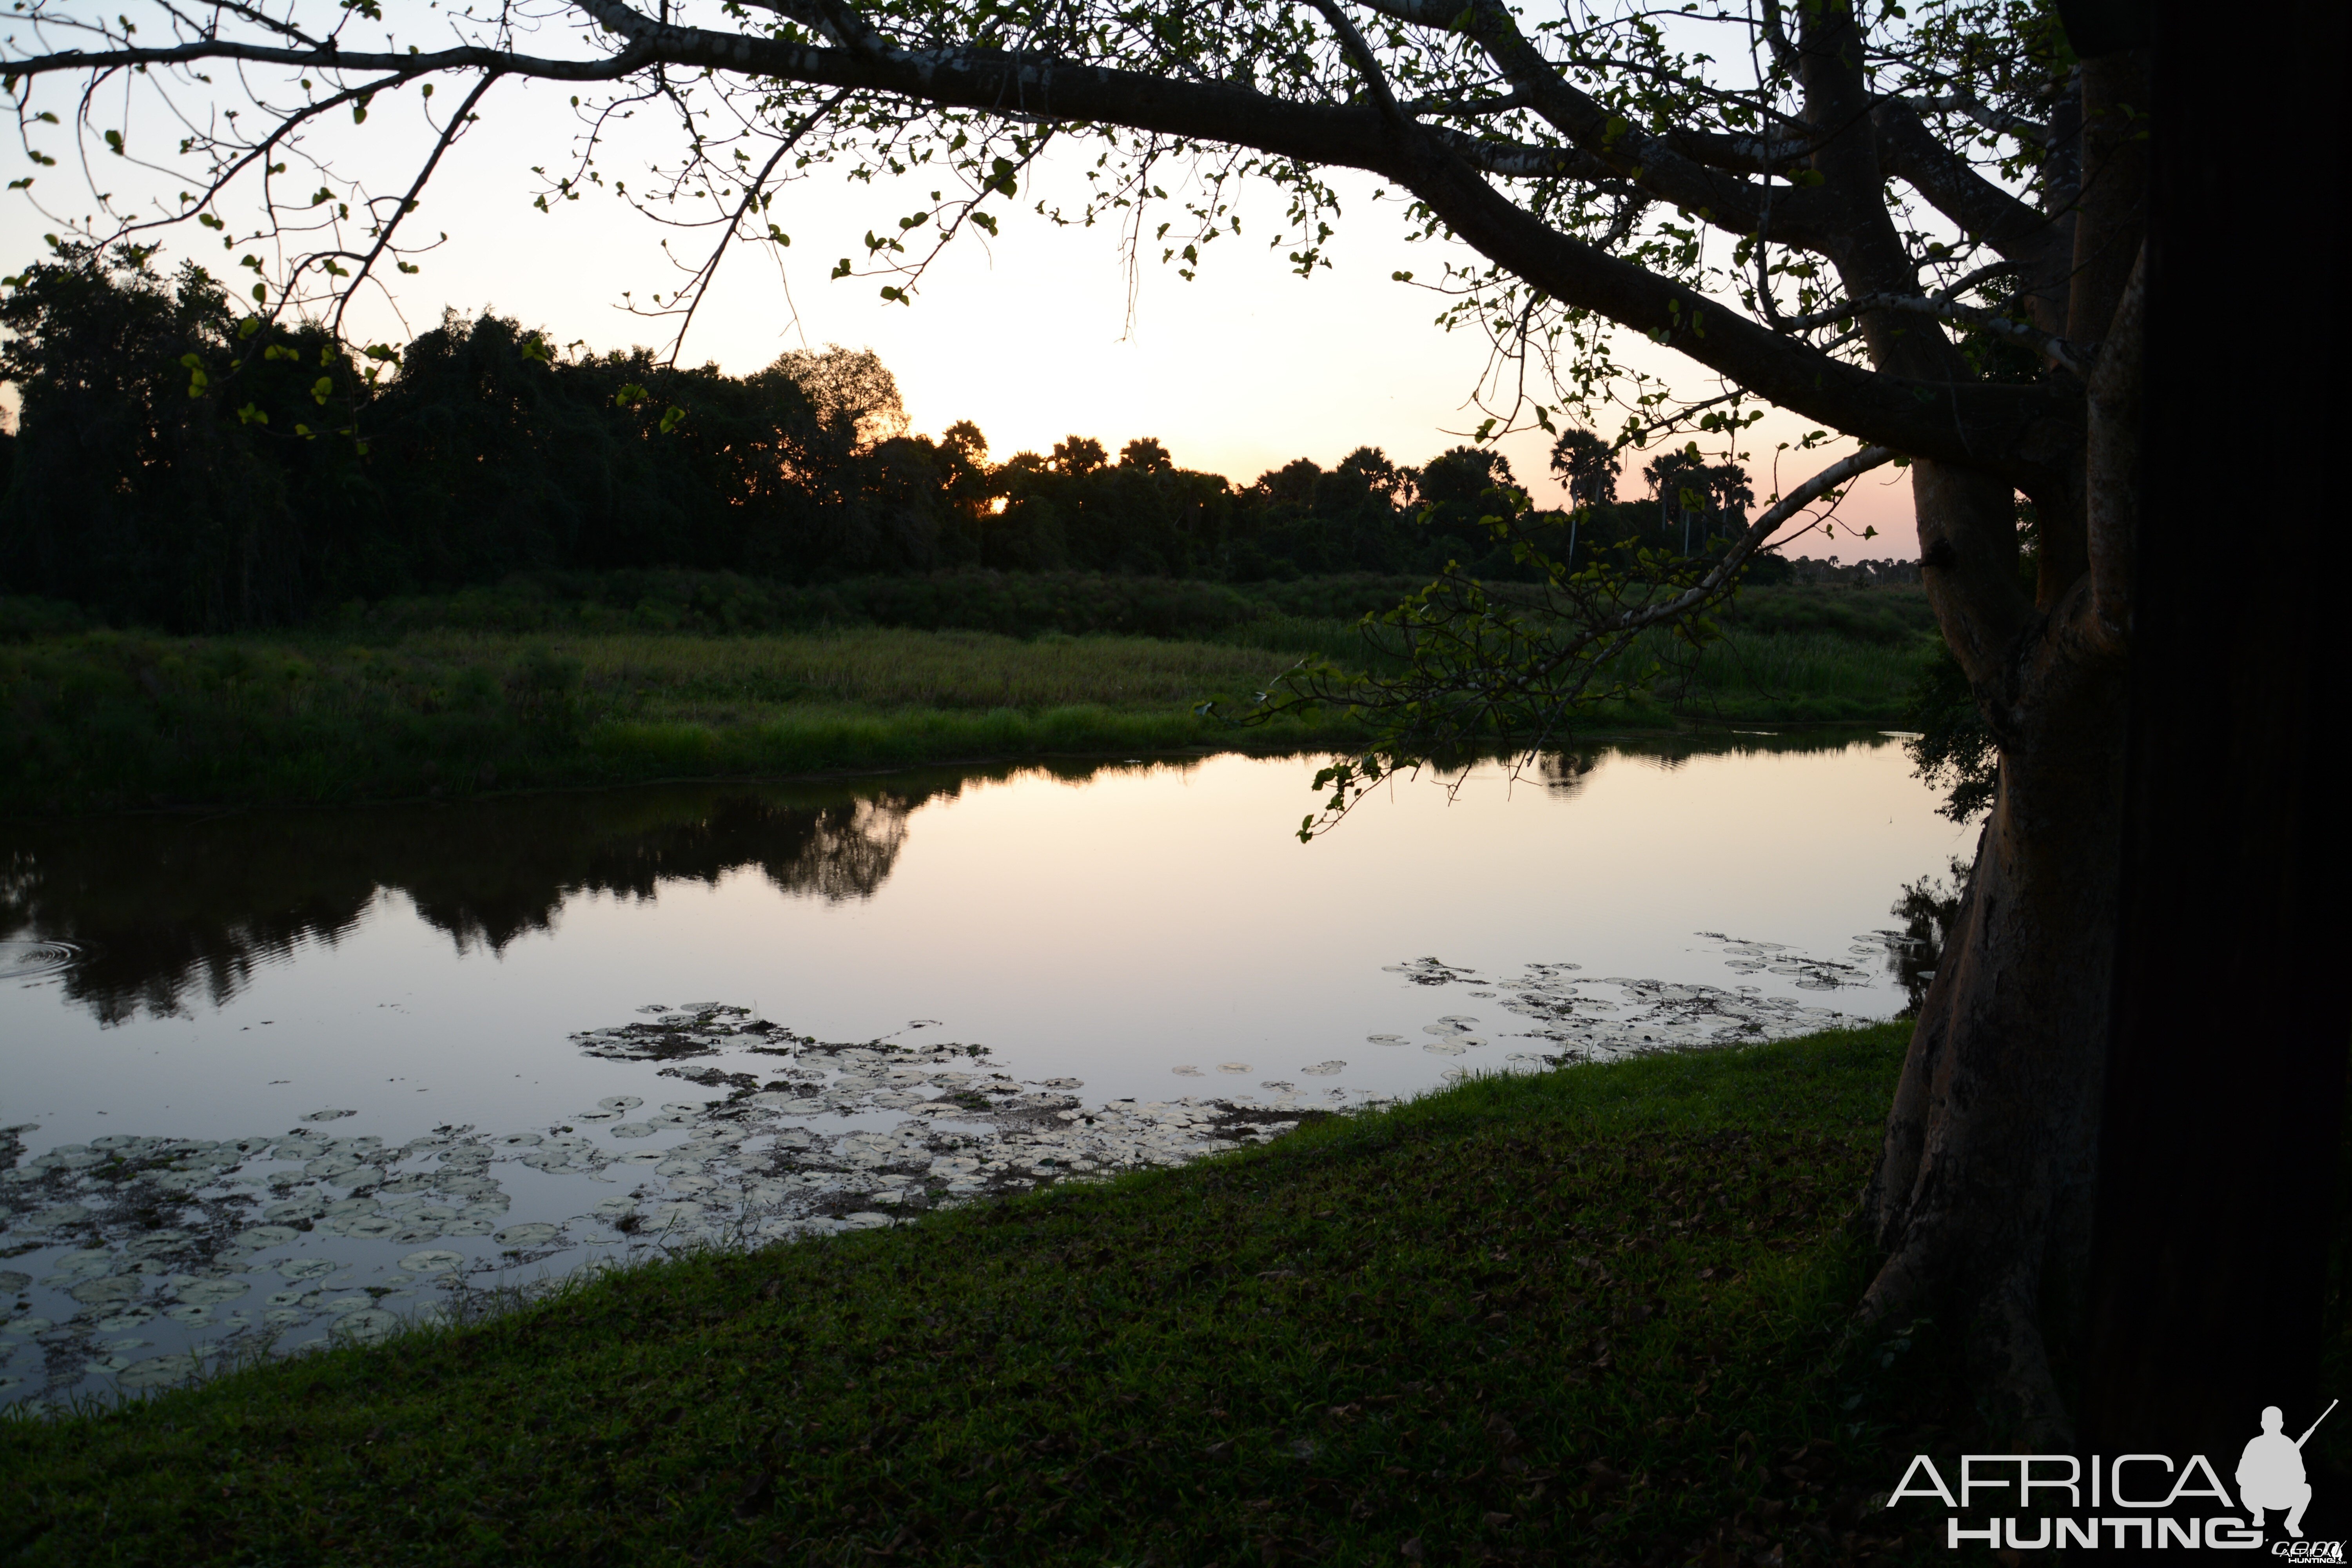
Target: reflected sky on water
1143, 930
1106, 923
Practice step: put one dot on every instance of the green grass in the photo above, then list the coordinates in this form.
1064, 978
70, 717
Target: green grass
1793, 676
103, 720
1588, 1317
395, 707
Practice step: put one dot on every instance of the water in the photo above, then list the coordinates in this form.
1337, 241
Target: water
273, 1078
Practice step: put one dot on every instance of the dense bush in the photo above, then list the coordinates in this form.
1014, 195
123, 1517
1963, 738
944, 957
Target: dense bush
181, 464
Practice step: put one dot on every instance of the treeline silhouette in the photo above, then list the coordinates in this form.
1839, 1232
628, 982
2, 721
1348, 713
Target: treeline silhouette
181, 464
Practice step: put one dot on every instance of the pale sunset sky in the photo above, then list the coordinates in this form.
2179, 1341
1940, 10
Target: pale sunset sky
1029, 336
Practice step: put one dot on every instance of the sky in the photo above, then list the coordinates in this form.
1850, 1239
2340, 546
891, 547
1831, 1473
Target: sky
1033, 336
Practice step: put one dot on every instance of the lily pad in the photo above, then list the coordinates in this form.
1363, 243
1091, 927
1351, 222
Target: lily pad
635, 1130
155, 1242
366, 1326
328, 1115
99, 1292
433, 1261
268, 1235
211, 1292
1233, 1066
306, 1268
160, 1371
535, 1234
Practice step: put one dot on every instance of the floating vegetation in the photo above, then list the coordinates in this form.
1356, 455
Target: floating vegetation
1774, 958
148, 1260
239, 1246
1605, 1018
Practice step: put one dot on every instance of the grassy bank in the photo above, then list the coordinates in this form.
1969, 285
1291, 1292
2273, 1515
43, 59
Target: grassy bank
460, 697
1584, 1318
109, 719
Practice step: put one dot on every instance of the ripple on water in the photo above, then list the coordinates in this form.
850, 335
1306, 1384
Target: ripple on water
30, 960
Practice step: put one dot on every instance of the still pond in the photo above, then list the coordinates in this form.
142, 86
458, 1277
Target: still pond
270, 1078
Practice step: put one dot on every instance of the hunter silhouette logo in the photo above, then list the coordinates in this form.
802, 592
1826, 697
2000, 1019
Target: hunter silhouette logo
2270, 1472
2144, 1501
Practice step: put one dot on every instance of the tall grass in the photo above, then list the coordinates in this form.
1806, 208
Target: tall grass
104, 719
736, 679
107, 719
1789, 675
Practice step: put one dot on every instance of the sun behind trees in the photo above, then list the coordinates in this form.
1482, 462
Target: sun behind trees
311, 472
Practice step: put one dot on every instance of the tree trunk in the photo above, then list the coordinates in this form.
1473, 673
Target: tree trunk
2218, 1186
1982, 1197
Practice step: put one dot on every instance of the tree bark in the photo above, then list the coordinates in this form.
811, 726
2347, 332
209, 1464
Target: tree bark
2219, 1192
1981, 1200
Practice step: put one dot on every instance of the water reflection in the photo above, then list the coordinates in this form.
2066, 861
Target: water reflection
170, 913
1926, 908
